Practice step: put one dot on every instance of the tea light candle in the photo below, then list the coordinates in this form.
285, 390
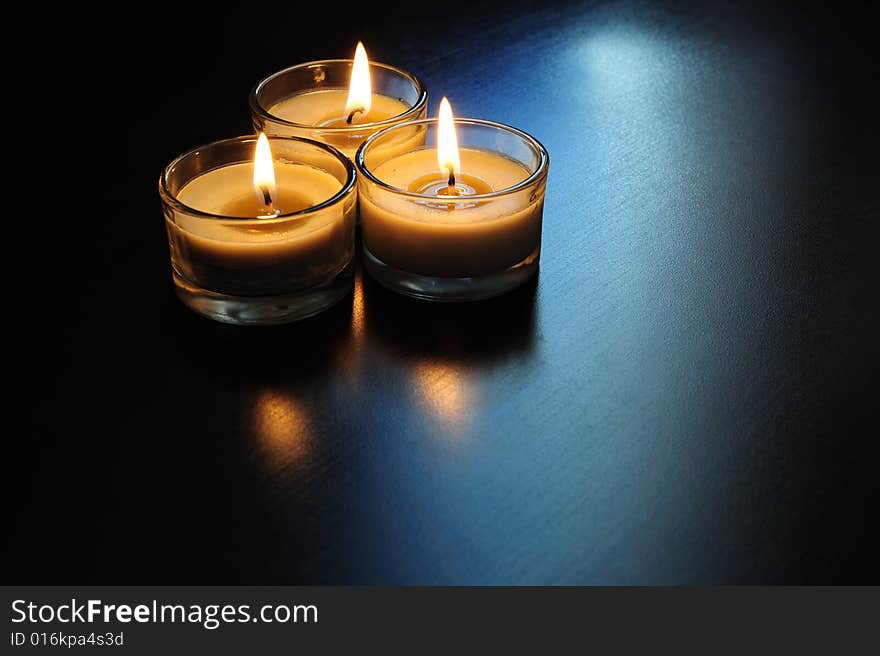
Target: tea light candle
296, 250
450, 223
309, 100
261, 241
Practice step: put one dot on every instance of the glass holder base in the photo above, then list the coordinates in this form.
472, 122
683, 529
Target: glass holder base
448, 289
265, 310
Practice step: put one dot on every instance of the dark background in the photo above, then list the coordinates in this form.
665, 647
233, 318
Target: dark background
685, 395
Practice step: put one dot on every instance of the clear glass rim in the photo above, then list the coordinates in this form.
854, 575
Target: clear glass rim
257, 107
539, 172
170, 199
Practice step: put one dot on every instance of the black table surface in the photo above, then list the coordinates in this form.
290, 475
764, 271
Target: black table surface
686, 393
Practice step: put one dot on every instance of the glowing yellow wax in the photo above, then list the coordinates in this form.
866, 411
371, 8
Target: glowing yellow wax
326, 108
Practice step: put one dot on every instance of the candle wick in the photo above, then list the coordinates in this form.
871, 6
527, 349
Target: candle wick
451, 181
353, 112
269, 207
267, 197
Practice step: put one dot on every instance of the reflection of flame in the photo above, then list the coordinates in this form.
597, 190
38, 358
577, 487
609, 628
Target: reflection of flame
444, 391
357, 310
283, 428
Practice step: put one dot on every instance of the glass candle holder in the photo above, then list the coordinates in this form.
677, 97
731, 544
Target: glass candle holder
478, 240
308, 100
230, 265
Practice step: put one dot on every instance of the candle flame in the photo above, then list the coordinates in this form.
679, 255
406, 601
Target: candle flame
264, 173
447, 142
360, 95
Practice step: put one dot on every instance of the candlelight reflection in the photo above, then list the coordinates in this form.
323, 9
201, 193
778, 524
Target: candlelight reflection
283, 428
444, 392
357, 310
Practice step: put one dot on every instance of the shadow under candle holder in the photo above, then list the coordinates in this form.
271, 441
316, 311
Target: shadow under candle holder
305, 350
470, 333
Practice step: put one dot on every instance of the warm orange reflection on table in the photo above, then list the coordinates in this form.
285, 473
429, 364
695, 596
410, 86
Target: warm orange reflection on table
357, 310
444, 391
283, 428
